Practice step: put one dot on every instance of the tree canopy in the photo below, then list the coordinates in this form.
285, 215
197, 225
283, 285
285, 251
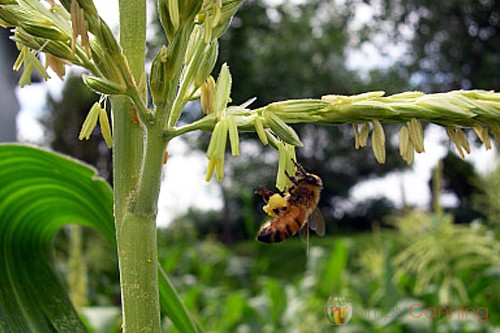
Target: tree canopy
451, 44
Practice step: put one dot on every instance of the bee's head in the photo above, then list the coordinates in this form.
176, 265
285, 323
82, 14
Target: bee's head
313, 180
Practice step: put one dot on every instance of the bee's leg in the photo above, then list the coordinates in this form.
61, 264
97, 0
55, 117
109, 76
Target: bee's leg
265, 193
299, 167
292, 178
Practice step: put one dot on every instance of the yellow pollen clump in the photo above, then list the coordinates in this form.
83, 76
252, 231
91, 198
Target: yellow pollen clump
276, 201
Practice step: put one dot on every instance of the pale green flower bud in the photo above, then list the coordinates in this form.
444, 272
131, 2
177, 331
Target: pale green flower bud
222, 90
462, 139
410, 156
281, 129
199, 68
216, 151
8, 18
25, 39
311, 106
40, 26
108, 42
482, 134
32, 22
495, 130
360, 138
207, 95
90, 122
176, 13
356, 136
27, 59
194, 42
233, 136
176, 50
209, 58
363, 134
217, 145
210, 169
378, 141
60, 50
105, 127
300, 110
259, 128
457, 136
207, 33
404, 140
173, 11
219, 169
108, 68
165, 19
416, 133
227, 11
406, 148
158, 81
104, 86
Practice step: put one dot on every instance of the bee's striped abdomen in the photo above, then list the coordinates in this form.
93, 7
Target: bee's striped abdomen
282, 226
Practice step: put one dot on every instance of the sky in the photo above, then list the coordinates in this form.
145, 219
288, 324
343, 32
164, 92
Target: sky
183, 181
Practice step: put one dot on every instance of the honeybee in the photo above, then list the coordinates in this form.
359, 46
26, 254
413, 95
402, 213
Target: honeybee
295, 209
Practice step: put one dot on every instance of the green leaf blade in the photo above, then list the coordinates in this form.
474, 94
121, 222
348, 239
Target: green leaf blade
41, 192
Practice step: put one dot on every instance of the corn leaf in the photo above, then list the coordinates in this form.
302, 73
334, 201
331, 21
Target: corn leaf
40, 193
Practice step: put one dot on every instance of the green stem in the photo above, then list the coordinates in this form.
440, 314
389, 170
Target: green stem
145, 200
205, 124
139, 273
136, 233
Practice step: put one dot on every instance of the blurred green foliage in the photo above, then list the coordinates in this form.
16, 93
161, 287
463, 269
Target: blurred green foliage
253, 287
487, 201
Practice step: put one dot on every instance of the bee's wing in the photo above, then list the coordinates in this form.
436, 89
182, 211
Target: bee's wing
316, 222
